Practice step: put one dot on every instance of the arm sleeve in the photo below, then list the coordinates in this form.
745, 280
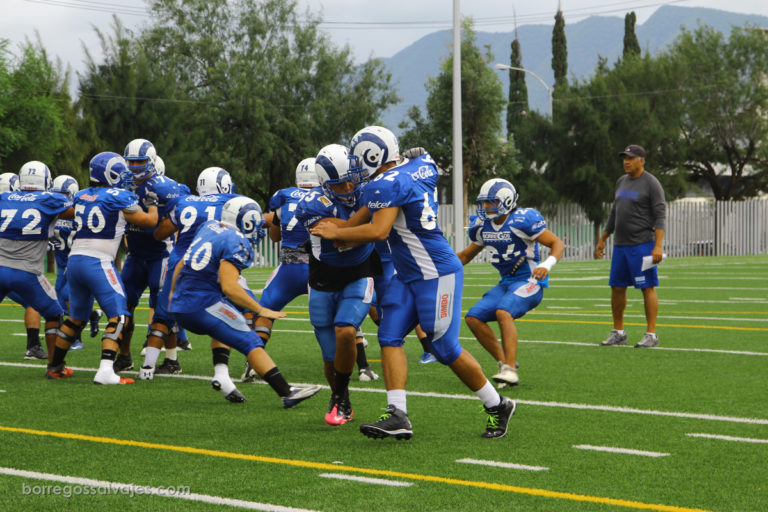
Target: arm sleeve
658, 205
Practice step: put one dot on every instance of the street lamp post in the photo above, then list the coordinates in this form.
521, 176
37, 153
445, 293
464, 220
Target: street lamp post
548, 88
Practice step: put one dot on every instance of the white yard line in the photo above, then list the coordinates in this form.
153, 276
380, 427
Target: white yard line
88, 486
625, 451
730, 438
366, 480
506, 465
565, 405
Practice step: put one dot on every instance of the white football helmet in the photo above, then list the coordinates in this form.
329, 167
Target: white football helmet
501, 194
140, 155
66, 185
35, 175
244, 214
335, 165
159, 166
214, 180
9, 182
376, 146
306, 176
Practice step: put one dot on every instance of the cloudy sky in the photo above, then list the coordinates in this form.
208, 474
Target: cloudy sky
65, 25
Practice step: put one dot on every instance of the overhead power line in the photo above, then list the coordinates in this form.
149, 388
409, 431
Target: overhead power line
531, 18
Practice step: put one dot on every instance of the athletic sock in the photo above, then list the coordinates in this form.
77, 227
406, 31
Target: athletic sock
276, 381
33, 337
489, 396
170, 353
341, 383
362, 360
150, 356
58, 356
396, 397
220, 356
425, 344
108, 355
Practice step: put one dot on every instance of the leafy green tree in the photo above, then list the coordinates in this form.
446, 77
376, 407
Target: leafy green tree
130, 95
270, 88
723, 93
631, 45
485, 154
559, 52
517, 105
35, 91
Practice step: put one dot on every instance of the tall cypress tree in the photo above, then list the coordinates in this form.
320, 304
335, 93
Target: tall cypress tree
518, 91
559, 51
631, 46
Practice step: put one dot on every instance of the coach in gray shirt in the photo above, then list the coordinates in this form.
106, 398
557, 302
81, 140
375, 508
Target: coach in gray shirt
637, 218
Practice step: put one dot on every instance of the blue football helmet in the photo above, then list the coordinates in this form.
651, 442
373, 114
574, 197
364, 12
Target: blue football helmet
334, 165
501, 194
214, 180
66, 185
35, 175
9, 182
376, 146
111, 169
244, 214
140, 155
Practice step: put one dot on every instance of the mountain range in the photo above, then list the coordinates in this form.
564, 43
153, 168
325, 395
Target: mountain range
588, 40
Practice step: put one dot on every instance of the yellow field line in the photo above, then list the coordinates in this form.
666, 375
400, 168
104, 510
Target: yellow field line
379, 472
590, 322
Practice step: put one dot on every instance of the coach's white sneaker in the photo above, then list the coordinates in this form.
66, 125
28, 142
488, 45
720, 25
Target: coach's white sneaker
649, 340
615, 339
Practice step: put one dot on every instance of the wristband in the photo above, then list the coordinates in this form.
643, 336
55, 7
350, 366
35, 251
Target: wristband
548, 263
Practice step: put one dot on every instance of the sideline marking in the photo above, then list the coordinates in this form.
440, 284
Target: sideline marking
366, 480
730, 438
565, 405
507, 465
115, 488
613, 449
369, 471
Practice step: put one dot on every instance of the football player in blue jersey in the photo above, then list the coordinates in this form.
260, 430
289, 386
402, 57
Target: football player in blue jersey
377, 146
101, 213
341, 279
189, 212
9, 182
400, 205
63, 236
147, 259
27, 217
289, 279
513, 235
206, 291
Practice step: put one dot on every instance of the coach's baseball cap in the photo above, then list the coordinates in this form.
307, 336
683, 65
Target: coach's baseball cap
634, 151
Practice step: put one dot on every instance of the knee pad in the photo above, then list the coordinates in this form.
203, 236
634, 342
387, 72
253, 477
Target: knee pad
263, 329
158, 334
76, 329
118, 329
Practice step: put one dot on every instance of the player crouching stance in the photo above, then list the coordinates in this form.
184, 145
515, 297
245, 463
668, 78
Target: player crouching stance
205, 286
